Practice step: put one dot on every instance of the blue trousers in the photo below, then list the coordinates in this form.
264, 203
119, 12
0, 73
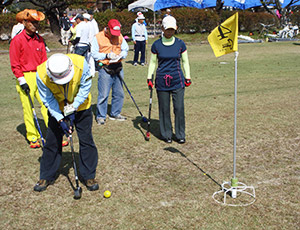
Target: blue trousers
140, 46
52, 152
105, 83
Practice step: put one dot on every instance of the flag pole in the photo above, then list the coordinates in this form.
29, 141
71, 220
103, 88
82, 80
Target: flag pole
234, 180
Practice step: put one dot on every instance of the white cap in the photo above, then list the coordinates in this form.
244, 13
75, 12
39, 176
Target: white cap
86, 16
141, 16
139, 13
60, 68
169, 22
168, 10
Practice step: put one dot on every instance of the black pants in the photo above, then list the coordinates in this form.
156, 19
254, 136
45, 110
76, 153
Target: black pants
139, 46
52, 152
165, 123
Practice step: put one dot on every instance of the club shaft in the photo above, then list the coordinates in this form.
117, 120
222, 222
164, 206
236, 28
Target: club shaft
74, 162
36, 120
131, 96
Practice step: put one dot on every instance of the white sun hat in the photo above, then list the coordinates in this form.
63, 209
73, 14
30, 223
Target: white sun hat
141, 16
60, 68
86, 16
169, 22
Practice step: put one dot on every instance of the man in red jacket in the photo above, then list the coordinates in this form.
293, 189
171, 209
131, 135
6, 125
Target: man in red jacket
27, 51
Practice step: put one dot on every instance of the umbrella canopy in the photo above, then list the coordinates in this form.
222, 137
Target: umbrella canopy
156, 5
242, 4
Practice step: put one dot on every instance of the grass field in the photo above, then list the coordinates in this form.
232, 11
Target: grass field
156, 185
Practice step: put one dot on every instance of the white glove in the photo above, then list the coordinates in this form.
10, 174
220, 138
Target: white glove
112, 56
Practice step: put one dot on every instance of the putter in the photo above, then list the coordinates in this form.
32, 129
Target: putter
147, 138
36, 120
144, 118
78, 190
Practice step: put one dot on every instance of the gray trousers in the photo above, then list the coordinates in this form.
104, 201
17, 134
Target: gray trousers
165, 124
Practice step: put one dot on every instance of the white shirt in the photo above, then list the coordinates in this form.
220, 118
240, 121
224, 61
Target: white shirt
83, 31
95, 26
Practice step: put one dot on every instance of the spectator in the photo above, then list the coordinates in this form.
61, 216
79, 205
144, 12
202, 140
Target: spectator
73, 34
94, 23
139, 36
64, 83
170, 81
90, 59
168, 13
108, 49
27, 51
81, 41
65, 24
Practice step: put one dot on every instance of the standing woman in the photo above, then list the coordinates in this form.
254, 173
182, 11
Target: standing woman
170, 81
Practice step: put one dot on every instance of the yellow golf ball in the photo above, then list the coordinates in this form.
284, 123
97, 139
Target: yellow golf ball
107, 194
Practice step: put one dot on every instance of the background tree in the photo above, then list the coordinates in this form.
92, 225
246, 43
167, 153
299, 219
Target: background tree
121, 4
283, 11
5, 3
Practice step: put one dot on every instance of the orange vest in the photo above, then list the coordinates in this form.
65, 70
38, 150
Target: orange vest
107, 45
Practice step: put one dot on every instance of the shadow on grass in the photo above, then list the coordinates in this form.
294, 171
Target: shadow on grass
297, 44
174, 150
142, 126
94, 109
22, 129
66, 164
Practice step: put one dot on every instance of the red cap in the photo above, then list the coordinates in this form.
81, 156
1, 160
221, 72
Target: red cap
114, 27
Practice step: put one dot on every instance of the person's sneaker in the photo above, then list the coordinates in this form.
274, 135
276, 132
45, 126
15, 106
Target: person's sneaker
100, 121
64, 143
168, 140
135, 64
181, 141
119, 117
142, 64
91, 185
42, 185
34, 144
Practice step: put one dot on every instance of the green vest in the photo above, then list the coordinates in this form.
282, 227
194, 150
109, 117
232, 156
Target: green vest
72, 87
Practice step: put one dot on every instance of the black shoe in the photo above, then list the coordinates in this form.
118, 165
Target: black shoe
181, 141
91, 185
168, 140
42, 185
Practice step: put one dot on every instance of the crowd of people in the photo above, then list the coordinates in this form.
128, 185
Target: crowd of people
62, 83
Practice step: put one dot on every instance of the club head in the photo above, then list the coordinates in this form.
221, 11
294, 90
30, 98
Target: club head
147, 138
145, 119
77, 193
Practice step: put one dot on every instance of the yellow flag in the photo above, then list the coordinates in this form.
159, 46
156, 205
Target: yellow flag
224, 38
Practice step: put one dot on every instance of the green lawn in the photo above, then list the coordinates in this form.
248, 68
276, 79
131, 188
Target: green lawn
156, 185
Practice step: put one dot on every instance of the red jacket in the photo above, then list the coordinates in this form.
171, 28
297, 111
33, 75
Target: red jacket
26, 53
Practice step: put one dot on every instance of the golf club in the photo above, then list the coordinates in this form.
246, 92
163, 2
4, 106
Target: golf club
144, 118
36, 120
147, 138
78, 190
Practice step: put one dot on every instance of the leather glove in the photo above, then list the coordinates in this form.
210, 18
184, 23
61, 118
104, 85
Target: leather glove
150, 83
112, 56
25, 87
187, 82
65, 128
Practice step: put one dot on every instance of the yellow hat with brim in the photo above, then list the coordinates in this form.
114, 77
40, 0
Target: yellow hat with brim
30, 15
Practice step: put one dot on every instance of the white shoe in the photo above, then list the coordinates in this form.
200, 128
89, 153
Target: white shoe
119, 117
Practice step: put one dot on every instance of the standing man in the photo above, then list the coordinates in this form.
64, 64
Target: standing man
140, 36
93, 21
109, 48
81, 42
27, 51
64, 83
65, 24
